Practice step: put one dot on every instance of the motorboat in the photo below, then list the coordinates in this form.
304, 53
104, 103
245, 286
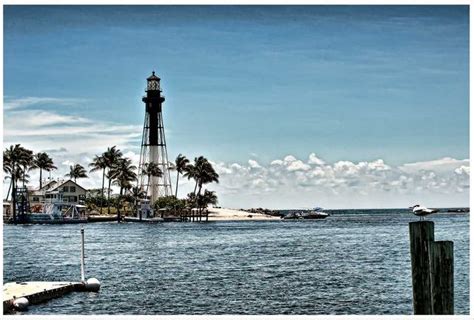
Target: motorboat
316, 213
292, 216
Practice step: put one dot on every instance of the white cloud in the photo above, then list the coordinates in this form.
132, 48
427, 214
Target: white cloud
41, 129
313, 159
25, 102
463, 170
290, 182
67, 163
378, 165
289, 158
298, 165
444, 164
276, 162
253, 164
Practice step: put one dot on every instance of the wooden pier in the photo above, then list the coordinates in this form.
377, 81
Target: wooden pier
36, 291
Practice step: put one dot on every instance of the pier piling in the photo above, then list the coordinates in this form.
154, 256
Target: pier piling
442, 277
421, 234
432, 269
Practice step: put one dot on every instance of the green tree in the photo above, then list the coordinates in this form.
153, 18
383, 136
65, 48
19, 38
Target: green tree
169, 202
207, 198
111, 158
203, 173
42, 161
137, 193
191, 200
180, 166
99, 163
16, 160
123, 173
76, 171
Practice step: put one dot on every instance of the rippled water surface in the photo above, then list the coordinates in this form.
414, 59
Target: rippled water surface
356, 263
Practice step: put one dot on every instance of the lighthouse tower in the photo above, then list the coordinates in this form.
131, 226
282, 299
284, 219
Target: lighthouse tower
154, 143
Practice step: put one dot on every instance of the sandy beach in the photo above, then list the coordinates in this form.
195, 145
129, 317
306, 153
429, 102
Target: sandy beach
224, 214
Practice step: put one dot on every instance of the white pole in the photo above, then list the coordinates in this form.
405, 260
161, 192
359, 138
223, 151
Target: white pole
82, 255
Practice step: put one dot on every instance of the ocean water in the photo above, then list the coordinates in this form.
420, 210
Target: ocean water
354, 262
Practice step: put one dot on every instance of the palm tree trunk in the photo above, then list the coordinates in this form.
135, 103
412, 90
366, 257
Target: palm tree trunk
9, 189
102, 194
195, 187
24, 173
118, 205
177, 180
108, 197
41, 178
147, 185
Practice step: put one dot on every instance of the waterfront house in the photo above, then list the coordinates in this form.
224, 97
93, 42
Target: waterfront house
58, 191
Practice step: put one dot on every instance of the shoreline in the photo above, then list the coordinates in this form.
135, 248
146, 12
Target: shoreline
224, 214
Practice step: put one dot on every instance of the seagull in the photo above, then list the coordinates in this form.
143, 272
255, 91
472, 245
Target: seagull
422, 211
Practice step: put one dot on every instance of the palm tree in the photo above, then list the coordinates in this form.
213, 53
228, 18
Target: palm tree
22, 176
137, 193
190, 171
99, 163
204, 173
151, 170
26, 164
209, 197
42, 161
76, 171
123, 173
111, 157
15, 161
181, 163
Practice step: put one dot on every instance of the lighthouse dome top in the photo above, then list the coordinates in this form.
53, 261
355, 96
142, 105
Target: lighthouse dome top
153, 77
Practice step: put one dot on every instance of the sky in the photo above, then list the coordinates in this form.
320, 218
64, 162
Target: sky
296, 106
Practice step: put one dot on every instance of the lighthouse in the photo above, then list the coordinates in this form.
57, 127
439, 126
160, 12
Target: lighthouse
153, 148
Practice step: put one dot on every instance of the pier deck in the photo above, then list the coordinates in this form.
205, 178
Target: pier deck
36, 291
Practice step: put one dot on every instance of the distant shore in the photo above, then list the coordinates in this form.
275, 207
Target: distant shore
223, 214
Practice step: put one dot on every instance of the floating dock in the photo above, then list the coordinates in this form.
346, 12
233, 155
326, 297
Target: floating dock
36, 291
149, 220
19, 295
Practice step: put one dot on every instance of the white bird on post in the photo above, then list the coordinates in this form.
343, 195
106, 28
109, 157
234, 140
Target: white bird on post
421, 211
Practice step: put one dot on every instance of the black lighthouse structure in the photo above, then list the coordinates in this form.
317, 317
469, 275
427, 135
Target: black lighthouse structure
153, 149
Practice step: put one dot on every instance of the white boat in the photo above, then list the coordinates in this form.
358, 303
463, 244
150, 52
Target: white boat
315, 213
52, 213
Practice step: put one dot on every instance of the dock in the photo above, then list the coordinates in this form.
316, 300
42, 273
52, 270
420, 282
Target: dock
19, 295
37, 291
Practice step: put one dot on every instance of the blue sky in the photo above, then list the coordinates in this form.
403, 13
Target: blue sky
348, 83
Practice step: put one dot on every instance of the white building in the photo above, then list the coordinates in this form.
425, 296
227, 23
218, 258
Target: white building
58, 191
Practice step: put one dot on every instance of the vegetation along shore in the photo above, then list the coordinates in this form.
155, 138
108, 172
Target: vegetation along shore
117, 171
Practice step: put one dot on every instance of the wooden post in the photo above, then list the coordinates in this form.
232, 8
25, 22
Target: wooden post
82, 256
442, 277
421, 234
